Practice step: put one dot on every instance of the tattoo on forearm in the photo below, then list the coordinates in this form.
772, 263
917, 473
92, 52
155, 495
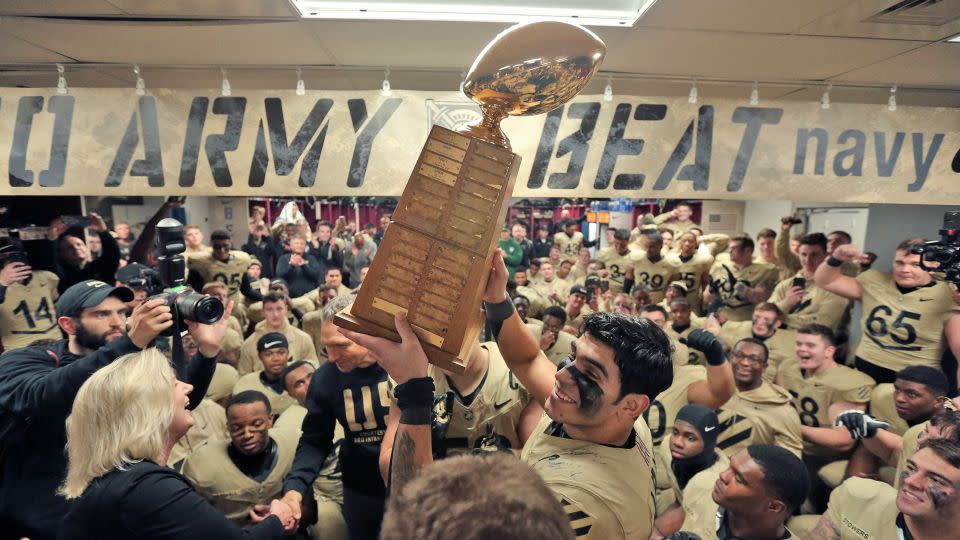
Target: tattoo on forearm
402, 467
825, 530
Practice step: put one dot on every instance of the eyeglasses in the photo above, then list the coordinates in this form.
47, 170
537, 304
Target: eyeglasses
752, 359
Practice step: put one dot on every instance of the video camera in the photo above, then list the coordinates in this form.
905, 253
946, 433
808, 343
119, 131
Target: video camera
185, 303
944, 253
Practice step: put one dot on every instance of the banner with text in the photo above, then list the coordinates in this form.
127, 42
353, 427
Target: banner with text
173, 142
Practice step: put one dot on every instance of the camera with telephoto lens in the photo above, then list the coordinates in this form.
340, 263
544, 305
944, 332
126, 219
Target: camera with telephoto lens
943, 253
185, 303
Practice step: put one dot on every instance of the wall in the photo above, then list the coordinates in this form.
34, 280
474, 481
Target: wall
764, 214
722, 217
889, 224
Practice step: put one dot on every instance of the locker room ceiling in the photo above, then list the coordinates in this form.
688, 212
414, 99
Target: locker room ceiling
793, 47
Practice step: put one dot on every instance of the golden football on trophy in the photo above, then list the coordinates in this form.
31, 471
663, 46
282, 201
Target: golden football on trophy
434, 259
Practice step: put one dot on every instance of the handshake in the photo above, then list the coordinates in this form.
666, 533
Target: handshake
860, 424
287, 510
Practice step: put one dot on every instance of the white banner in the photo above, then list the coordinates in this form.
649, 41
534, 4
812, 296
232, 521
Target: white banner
172, 142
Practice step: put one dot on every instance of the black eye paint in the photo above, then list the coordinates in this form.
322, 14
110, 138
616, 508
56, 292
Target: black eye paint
939, 497
590, 392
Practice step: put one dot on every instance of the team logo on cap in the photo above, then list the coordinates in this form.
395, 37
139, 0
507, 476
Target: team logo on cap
95, 283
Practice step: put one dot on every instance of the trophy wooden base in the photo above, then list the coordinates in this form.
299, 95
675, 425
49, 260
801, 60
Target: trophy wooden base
434, 259
436, 356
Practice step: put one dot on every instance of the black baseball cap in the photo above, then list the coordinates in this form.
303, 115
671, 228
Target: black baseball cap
578, 289
272, 340
87, 294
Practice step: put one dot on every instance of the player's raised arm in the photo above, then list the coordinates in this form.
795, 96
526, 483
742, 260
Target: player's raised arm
519, 348
829, 275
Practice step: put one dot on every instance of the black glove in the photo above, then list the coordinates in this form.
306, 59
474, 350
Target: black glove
860, 424
708, 344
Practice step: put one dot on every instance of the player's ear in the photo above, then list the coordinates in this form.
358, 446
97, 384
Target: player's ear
633, 405
777, 323
776, 506
68, 325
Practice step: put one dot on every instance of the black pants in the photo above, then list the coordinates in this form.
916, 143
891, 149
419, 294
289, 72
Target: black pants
879, 374
363, 514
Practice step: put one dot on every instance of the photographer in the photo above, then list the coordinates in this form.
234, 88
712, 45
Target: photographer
27, 299
38, 386
73, 257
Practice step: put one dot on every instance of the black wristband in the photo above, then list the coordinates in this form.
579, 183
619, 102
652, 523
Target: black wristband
834, 262
417, 416
500, 311
414, 393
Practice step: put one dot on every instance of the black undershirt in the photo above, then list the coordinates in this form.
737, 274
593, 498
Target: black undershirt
257, 467
277, 385
556, 429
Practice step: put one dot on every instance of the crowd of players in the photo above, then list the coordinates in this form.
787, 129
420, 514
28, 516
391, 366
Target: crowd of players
676, 384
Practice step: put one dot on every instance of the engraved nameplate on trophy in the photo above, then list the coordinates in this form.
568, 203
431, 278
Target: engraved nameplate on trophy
434, 259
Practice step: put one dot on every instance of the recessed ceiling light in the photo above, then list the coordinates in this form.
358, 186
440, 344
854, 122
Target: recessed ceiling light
954, 39
597, 13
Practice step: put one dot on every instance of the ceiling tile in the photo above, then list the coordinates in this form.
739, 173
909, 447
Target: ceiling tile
59, 8
17, 51
768, 16
221, 9
849, 21
744, 56
235, 43
934, 65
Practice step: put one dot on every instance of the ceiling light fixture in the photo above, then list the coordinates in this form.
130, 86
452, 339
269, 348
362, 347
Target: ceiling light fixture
385, 87
301, 88
225, 89
61, 80
141, 86
825, 98
694, 94
755, 94
620, 13
892, 101
608, 90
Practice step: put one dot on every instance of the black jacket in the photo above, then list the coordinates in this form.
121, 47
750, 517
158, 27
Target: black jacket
300, 279
265, 251
148, 501
39, 384
104, 268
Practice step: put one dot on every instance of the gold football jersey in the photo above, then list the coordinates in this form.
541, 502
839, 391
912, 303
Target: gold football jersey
300, 343
28, 312
229, 272
910, 445
209, 423
901, 330
607, 492
883, 408
663, 410
813, 395
764, 415
494, 412
817, 306
278, 402
862, 508
617, 266
214, 475
691, 270
569, 245
559, 286
696, 498
727, 276
654, 276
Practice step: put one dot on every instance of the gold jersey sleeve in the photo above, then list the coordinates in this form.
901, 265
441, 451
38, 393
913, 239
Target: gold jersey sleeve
817, 305
860, 508
28, 312
903, 329
663, 410
213, 474
492, 418
229, 272
882, 407
726, 276
910, 445
813, 396
764, 415
569, 245
607, 492
654, 276
617, 266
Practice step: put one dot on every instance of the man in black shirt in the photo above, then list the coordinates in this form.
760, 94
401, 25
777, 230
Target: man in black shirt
352, 389
73, 263
38, 385
300, 269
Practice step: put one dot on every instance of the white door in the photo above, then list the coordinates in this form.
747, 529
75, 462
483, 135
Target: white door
851, 220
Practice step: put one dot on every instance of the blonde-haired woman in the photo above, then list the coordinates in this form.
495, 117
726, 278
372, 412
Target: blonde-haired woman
125, 420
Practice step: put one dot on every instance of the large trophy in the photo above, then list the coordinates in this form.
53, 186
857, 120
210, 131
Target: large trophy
435, 258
